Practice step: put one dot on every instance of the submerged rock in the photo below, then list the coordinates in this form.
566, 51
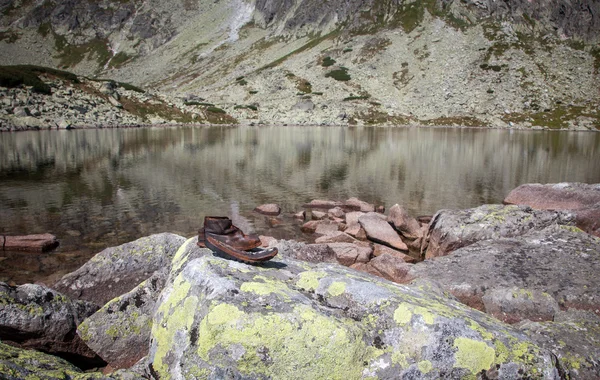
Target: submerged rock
561, 262
33, 316
29, 243
268, 209
117, 270
453, 229
580, 198
223, 319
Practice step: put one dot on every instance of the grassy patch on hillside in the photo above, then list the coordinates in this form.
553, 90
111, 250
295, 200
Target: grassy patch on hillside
9, 37
304, 86
28, 75
350, 98
327, 61
556, 118
249, 107
465, 121
146, 110
340, 74
377, 117
309, 45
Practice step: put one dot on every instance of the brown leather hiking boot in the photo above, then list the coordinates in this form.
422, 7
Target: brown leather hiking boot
222, 229
228, 241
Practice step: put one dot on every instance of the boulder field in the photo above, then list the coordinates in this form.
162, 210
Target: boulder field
510, 293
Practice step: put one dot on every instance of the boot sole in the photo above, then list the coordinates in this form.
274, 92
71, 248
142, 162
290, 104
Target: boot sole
227, 252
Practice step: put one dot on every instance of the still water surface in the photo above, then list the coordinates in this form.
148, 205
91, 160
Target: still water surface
100, 188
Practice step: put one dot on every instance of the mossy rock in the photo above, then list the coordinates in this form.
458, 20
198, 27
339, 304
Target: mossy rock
218, 318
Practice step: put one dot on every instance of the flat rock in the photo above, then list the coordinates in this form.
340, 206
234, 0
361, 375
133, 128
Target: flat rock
389, 267
356, 231
37, 317
29, 243
336, 212
358, 205
335, 237
380, 231
323, 204
348, 253
233, 320
270, 209
318, 215
580, 198
404, 223
314, 253
326, 227
561, 261
352, 217
452, 229
117, 270
379, 250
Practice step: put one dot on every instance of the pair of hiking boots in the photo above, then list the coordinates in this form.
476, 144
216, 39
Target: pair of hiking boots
228, 241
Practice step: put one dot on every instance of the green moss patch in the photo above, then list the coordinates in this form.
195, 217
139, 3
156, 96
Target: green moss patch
28, 75
340, 74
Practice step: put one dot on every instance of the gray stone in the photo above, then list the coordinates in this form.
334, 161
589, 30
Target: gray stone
304, 105
574, 337
452, 229
314, 253
349, 253
335, 237
230, 319
512, 304
120, 331
561, 261
581, 199
34, 316
117, 270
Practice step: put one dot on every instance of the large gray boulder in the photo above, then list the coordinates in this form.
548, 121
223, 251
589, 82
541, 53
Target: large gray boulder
33, 316
581, 199
16, 364
574, 337
524, 277
117, 270
223, 319
453, 229
120, 331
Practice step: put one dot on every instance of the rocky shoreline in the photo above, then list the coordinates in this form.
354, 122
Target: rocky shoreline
493, 292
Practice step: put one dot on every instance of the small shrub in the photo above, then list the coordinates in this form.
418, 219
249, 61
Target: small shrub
239, 78
349, 98
328, 61
130, 87
249, 106
317, 93
215, 110
252, 92
242, 82
347, 50
340, 74
13, 76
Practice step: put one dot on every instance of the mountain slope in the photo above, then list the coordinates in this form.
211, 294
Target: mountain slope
480, 62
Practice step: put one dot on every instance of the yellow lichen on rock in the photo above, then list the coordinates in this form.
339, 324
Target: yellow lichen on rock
473, 355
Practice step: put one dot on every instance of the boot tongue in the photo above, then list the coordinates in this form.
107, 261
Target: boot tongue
218, 226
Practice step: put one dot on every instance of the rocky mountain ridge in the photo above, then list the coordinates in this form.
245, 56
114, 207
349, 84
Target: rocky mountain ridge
477, 63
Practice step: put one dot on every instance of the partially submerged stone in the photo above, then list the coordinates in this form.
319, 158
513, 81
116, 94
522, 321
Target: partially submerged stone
34, 316
324, 204
219, 318
117, 270
561, 261
271, 209
579, 198
29, 243
453, 229
358, 205
380, 231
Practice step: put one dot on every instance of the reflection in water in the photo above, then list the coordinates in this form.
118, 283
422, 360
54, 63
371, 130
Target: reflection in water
97, 188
